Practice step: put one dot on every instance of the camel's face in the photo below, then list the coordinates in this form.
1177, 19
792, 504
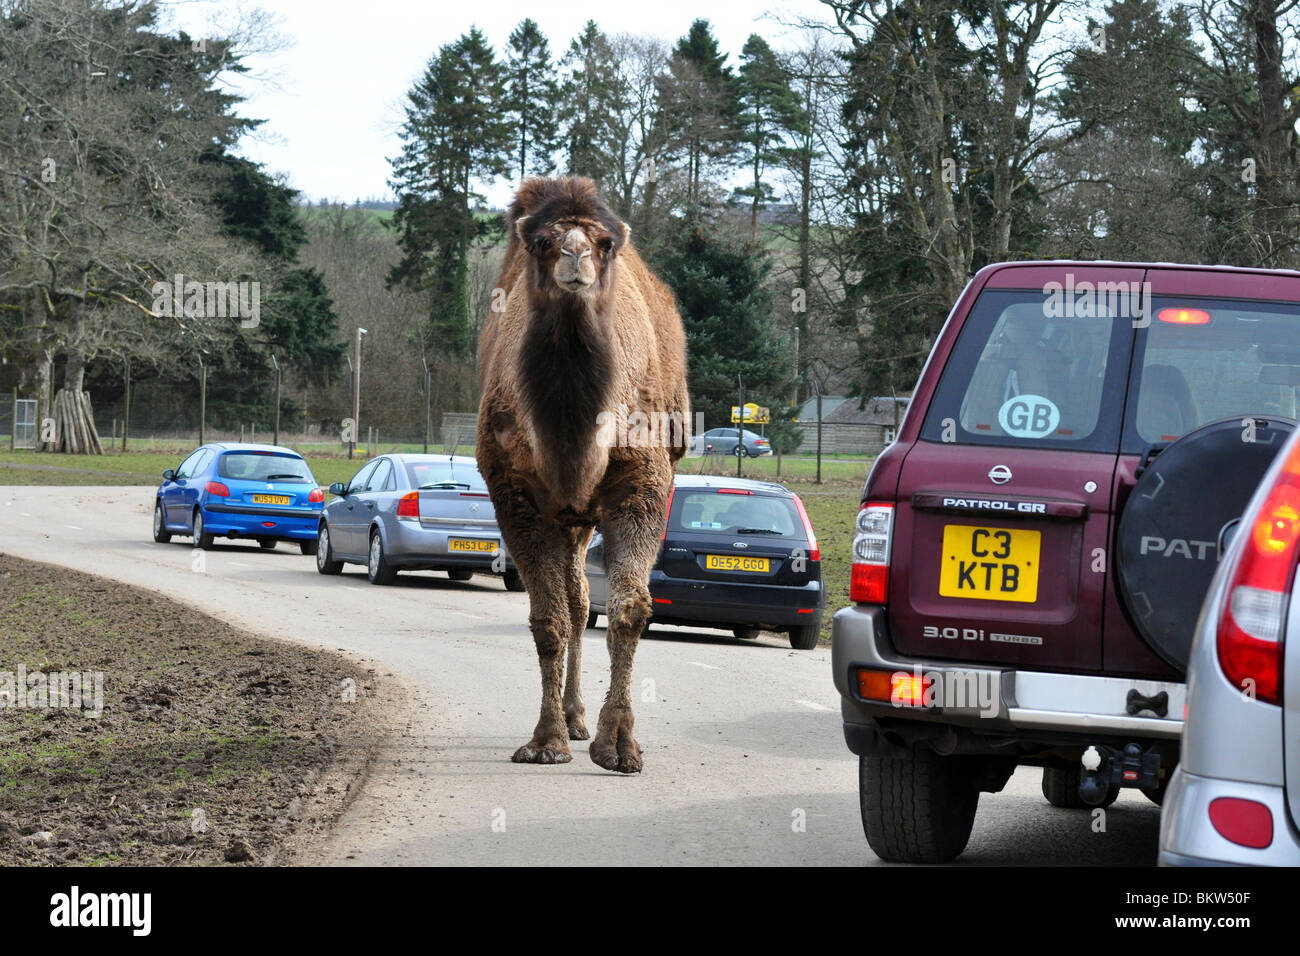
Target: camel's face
574, 254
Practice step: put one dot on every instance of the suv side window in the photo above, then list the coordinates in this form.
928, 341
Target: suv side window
1022, 376
358, 482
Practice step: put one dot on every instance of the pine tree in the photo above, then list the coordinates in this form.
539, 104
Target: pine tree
700, 104
455, 133
586, 94
532, 93
769, 108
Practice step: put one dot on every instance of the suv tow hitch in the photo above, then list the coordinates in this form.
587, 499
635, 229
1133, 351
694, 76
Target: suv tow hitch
1105, 767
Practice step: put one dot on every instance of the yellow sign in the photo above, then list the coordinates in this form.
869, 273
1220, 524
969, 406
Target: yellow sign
754, 415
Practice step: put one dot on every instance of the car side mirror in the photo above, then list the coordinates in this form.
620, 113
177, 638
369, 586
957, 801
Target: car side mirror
169, 475
338, 489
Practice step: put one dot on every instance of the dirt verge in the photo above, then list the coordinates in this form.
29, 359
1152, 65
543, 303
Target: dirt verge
135, 730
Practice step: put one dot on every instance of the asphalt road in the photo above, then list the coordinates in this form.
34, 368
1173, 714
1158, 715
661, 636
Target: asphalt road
744, 759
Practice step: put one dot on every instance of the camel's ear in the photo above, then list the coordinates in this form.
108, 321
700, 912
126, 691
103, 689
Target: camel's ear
519, 227
627, 233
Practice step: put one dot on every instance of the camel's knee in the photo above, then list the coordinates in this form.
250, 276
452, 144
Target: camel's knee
630, 612
550, 633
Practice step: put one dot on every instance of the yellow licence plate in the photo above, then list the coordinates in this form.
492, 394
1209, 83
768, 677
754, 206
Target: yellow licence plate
471, 544
270, 499
991, 564
735, 562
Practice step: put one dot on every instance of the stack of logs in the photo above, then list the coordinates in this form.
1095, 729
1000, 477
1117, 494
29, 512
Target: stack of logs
74, 424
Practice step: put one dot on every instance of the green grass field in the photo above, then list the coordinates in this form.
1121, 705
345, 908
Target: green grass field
832, 505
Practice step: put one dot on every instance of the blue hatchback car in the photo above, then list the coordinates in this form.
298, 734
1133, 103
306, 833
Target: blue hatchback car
264, 493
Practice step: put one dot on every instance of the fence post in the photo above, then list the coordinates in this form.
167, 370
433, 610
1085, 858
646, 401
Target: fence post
126, 404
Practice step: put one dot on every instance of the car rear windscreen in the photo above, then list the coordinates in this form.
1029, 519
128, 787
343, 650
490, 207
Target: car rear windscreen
712, 512
1203, 360
264, 466
447, 475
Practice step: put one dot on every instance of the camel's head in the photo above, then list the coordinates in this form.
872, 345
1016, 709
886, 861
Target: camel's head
572, 238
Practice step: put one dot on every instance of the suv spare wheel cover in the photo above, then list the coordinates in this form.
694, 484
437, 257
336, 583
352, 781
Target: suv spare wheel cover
1169, 529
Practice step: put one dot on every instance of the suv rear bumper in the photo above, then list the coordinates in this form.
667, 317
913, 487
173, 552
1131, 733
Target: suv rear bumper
1033, 705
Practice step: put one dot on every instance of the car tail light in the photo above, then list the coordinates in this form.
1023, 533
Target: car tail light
1244, 822
814, 552
667, 512
218, 489
408, 506
317, 494
1254, 608
869, 578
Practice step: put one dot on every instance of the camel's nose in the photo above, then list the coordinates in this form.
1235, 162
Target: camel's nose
576, 244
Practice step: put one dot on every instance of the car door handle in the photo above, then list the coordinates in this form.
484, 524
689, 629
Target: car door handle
370, 505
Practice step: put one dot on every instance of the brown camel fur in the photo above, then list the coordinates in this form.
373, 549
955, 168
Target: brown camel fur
587, 333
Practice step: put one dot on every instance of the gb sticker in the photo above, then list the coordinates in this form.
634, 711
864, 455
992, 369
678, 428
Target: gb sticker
1029, 416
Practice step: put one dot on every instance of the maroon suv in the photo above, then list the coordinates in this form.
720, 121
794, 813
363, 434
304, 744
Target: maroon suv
1032, 552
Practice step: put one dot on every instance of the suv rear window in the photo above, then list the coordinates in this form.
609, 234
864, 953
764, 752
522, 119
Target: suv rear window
716, 512
264, 466
1022, 375
1204, 360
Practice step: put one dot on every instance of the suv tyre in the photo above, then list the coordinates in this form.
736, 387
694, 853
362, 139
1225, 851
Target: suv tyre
918, 807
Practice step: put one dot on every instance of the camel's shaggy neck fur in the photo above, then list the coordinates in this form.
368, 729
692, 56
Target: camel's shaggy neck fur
566, 379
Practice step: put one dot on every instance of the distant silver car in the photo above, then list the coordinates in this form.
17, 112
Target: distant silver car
414, 513
1235, 796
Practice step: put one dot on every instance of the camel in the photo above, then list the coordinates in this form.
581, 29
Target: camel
587, 331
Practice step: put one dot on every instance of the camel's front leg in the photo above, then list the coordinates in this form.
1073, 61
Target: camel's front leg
575, 712
633, 528
542, 552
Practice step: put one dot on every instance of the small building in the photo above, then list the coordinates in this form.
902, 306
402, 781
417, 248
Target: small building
852, 427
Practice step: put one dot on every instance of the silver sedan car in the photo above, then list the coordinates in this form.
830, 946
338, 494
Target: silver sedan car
414, 513
1235, 797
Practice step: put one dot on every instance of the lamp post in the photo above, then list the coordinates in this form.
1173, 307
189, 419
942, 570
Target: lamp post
276, 439
356, 393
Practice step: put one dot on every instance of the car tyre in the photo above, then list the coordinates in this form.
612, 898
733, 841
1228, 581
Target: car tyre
591, 619
202, 539
266, 544
307, 547
460, 574
746, 633
1061, 788
160, 532
807, 636
325, 562
377, 568
918, 807
514, 581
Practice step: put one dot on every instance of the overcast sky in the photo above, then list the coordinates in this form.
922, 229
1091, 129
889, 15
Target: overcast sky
332, 97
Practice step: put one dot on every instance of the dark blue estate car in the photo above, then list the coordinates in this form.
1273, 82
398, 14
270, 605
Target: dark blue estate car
264, 493
738, 555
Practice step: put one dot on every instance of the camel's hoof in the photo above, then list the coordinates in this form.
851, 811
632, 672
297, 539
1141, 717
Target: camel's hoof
611, 759
533, 753
578, 729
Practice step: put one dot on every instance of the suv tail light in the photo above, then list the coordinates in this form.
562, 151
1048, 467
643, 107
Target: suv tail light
408, 506
217, 488
814, 552
869, 582
1254, 609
